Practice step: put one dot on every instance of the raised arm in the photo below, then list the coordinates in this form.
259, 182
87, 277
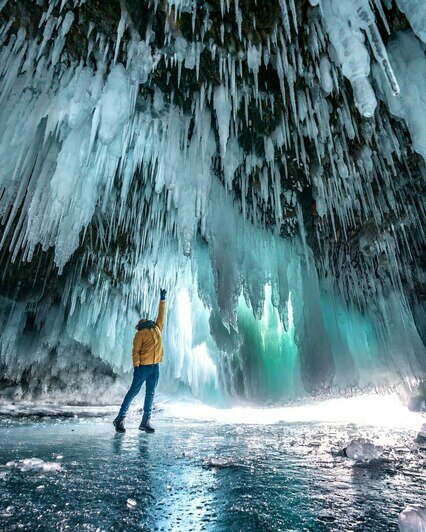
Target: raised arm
161, 310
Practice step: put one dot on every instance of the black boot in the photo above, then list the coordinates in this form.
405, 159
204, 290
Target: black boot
146, 425
119, 424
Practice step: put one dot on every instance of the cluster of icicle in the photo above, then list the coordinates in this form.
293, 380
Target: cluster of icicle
88, 154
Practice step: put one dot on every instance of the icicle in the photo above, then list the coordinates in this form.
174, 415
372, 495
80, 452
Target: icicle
238, 18
326, 79
222, 105
294, 15
47, 34
122, 25
254, 60
344, 22
382, 57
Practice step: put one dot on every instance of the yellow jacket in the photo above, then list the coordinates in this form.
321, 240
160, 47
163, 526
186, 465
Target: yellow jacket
148, 344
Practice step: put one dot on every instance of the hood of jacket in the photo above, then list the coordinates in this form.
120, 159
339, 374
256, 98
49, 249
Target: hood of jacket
148, 324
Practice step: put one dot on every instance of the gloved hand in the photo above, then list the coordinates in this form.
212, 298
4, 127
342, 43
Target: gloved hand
163, 294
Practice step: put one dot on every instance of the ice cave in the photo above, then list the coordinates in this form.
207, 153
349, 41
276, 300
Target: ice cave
261, 166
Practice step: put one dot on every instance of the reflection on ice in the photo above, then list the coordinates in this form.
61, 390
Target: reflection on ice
246, 470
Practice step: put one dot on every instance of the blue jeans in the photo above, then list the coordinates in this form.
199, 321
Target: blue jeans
141, 374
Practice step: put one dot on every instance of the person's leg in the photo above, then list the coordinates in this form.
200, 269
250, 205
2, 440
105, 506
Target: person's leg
139, 376
151, 384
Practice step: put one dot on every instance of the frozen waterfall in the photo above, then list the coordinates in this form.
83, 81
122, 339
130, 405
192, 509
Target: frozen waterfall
271, 178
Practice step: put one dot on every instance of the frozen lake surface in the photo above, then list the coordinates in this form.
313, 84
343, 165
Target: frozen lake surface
199, 474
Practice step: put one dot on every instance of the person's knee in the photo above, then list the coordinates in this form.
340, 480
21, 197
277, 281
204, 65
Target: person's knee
135, 388
150, 390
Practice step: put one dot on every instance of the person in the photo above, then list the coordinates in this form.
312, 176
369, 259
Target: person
147, 355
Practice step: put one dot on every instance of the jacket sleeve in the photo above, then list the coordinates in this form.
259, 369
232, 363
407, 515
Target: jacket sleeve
137, 349
161, 315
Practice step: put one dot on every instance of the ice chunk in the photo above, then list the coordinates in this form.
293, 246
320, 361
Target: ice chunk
33, 464
219, 463
412, 519
421, 436
131, 503
362, 449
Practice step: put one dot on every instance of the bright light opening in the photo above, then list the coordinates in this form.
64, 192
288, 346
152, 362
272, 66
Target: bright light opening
371, 409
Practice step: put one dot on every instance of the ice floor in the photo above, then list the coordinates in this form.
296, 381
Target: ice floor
279, 473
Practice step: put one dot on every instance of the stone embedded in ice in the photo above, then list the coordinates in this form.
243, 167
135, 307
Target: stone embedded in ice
362, 449
412, 519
